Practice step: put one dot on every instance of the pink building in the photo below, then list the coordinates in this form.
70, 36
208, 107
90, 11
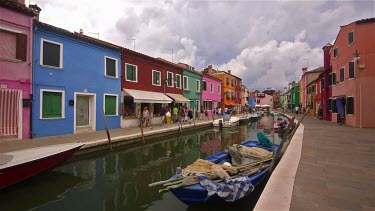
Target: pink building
15, 69
264, 100
353, 75
213, 92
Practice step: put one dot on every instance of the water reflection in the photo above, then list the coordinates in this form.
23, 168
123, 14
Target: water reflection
119, 180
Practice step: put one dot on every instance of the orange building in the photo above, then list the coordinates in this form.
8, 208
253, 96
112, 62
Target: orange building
228, 87
353, 70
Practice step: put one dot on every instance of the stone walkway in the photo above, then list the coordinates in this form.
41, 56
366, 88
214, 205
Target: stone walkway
337, 168
97, 138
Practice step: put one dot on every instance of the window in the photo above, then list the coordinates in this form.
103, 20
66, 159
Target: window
212, 87
186, 83
52, 104
156, 78
329, 79
350, 105
111, 67
197, 105
342, 74
198, 86
351, 37
334, 107
334, 78
156, 108
335, 52
232, 95
13, 45
312, 88
51, 54
129, 108
351, 69
227, 95
170, 79
232, 82
322, 84
329, 104
218, 89
227, 80
178, 81
204, 86
110, 104
131, 73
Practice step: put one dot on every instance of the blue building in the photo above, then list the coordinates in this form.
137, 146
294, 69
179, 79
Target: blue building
74, 78
252, 102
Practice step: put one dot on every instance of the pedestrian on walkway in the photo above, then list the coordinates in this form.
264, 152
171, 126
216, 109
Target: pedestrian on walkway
219, 112
297, 109
175, 114
190, 114
146, 117
163, 111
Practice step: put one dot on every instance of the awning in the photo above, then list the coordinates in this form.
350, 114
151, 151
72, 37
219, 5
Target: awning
147, 97
265, 106
178, 98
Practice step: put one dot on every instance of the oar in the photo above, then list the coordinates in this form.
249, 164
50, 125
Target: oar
187, 181
165, 181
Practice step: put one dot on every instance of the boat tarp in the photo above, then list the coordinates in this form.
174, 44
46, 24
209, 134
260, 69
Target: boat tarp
147, 96
230, 190
263, 140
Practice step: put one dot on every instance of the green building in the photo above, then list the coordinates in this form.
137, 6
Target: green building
294, 97
192, 86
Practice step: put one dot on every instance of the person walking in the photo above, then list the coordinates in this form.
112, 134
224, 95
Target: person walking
146, 117
175, 113
190, 114
219, 112
297, 109
163, 112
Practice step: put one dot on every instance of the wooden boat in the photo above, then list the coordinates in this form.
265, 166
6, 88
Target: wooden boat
276, 125
197, 194
19, 165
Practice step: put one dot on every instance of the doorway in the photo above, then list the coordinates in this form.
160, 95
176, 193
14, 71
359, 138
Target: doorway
84, 112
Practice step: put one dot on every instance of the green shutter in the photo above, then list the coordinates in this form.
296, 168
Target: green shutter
130, 72
110, 105
51, 107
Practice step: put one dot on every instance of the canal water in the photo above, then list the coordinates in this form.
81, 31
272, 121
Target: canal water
118, 180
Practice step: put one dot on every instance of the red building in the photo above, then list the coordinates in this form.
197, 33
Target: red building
325, 84
237, 91
146, 82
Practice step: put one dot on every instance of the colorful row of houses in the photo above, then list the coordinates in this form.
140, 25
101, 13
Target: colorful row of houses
54, 81
342, 90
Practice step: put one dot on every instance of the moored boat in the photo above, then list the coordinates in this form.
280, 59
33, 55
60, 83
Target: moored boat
197, 194
223, 122
19, 165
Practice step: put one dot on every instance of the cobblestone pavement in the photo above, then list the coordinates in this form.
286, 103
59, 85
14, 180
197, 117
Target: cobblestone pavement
337, 168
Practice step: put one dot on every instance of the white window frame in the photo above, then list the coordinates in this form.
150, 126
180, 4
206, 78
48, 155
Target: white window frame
352, 31
42, 40
179, 87
219, 89
153, 78
198, 86
105, 67
211, 87
187, 83
41, 103
136, 72
168, 79
108, 94
198, 105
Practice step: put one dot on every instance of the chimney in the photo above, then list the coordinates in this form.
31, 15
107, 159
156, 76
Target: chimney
35, 9
230, 71
304, 70
327, 56
81, 31
210, 68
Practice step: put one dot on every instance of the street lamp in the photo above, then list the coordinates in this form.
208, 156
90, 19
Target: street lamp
356, 57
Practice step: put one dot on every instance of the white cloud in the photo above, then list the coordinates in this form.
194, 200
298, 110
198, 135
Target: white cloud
269, 39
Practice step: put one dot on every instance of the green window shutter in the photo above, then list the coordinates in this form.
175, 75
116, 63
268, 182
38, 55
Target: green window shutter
131, 72
51, 107
110, 105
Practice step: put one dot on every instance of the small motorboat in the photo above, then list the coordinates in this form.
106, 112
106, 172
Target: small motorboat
197, 194
19, 165
226, 121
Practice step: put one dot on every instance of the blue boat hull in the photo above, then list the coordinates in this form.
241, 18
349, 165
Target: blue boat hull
196, 194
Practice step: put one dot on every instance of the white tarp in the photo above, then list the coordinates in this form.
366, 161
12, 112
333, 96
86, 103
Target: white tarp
178, 98
147, 97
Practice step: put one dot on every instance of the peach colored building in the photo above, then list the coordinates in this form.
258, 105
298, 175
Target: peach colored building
353, 69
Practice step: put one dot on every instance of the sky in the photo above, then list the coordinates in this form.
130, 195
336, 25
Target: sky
266, 43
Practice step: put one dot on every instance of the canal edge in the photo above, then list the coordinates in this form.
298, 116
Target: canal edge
277, 194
